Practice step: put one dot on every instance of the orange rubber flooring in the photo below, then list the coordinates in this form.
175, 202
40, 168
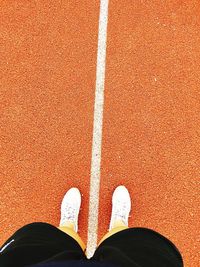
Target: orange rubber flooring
151, 124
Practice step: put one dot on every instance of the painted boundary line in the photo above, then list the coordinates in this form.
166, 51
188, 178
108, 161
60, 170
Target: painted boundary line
97, 131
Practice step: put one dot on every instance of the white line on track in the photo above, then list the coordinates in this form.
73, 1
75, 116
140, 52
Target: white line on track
97, 131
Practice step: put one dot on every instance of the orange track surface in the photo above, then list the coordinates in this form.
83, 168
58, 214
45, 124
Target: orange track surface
151, 124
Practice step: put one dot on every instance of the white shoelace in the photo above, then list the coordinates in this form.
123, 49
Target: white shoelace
120, 211
68, 214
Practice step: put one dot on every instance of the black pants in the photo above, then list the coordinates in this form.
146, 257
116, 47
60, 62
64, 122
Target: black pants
40, 242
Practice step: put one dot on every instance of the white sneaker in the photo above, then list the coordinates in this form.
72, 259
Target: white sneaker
121, 206
70, 207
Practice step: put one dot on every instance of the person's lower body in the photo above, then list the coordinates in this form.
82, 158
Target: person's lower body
122, 246
42, 242
128, 247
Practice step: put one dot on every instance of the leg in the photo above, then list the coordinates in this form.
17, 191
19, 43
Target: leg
118, 226
38, 242
138, 247
70, 208
69, 230
128, 247
120, 211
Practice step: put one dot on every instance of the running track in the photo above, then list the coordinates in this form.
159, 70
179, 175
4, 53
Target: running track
151, 113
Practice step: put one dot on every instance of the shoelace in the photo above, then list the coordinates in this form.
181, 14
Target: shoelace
120, 211
69, 214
